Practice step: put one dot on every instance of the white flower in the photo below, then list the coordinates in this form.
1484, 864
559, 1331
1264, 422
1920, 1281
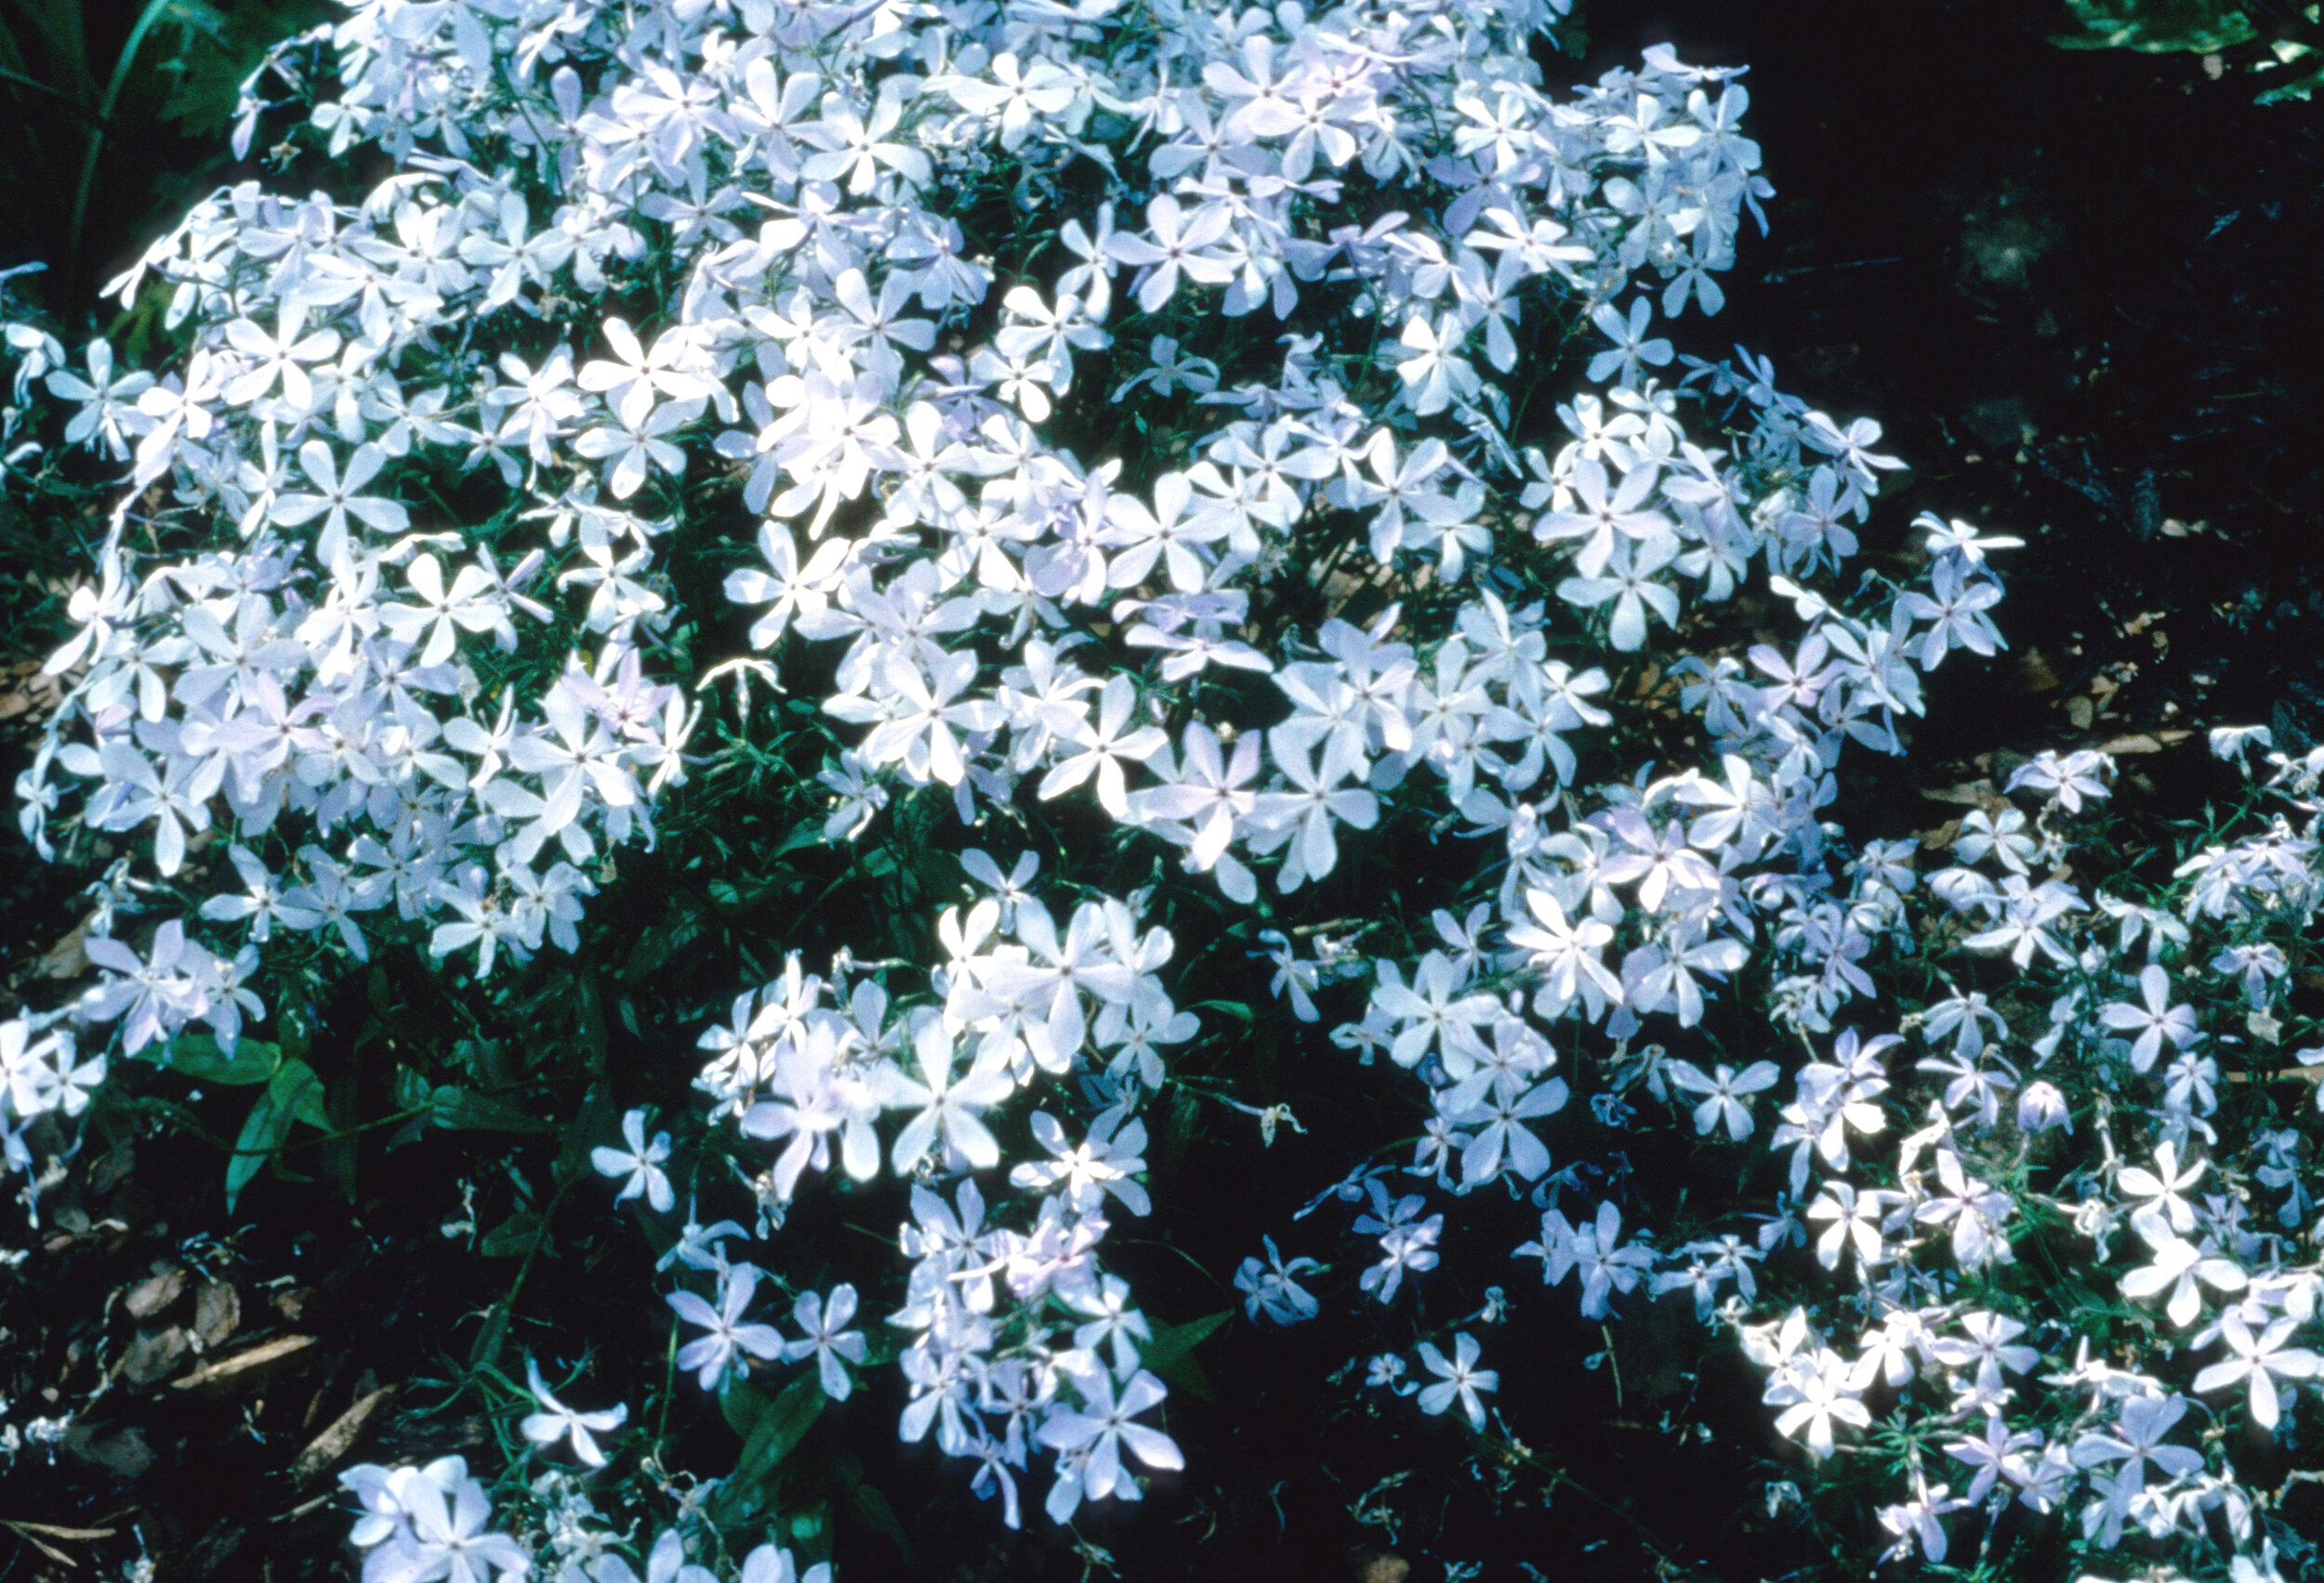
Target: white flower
1728, 1093
1458, 1376
709, 1356
948, 1108
555, 1421
1273, 1288
828, 1341
642, 1163
1101, 1429
1818, 1393
2259, 1360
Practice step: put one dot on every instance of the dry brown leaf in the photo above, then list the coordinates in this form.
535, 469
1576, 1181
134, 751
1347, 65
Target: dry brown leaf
51, 1551
120, 1452
2145, 741
68, 958
57, 1531
155, 1293
1939, 840
1968, 793
24, 690
247, 1366
35, 1533
113, 1167
217, 1312
339, 1436
151, 1354
2034, 674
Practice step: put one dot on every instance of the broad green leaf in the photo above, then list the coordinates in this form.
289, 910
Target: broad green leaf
262, 1131
297, 1089
1185, 1375
511, 1238
873, 1510
598, 1117
744, 1403
1172, 1342
199, 1058
749, 1489
1170, 1355
295, 1094
458, 1110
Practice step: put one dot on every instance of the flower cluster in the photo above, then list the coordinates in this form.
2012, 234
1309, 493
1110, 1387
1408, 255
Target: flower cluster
913, 312
430, 1522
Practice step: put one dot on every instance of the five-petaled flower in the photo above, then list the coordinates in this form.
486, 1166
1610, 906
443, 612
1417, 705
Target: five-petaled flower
641, 1161
1458, 1379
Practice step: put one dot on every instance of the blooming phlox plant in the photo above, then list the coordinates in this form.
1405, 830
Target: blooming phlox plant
1123, 426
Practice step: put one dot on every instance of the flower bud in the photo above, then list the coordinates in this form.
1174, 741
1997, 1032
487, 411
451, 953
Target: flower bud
2040, 1107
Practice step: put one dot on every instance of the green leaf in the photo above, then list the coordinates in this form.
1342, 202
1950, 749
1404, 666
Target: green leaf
661, 943
262, 1130
588, 1006
513, 1237
2300, 88
1174, 1133
298, 1090
199, 1058
598, 1117
1185, 1375
749, 1489
1171, 1342
805, 834
1170, 1355
2203, 26
295, 1094
458, 1110
871, 1509
744, 1404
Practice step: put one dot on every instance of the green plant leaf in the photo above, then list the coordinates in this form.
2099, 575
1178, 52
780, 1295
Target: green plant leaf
873, 1510
749, 1489
297, 1089
1171, 1342
2203, 26
511, 1238
199, 1058
458, 1110
292, 1095
2301, 85
743, 1404
598, 1117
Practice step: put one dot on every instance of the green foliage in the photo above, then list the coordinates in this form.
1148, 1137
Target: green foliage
2155, 25
776, 1425
111, 120
1170, 1355
294, 1094
2283, 44
199, 1058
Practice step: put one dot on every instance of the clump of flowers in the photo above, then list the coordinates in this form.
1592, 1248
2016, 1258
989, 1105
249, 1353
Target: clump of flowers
1123, 426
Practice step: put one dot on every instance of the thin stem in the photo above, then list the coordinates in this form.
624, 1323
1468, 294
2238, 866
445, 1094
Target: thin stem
495, 1331
104, 120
